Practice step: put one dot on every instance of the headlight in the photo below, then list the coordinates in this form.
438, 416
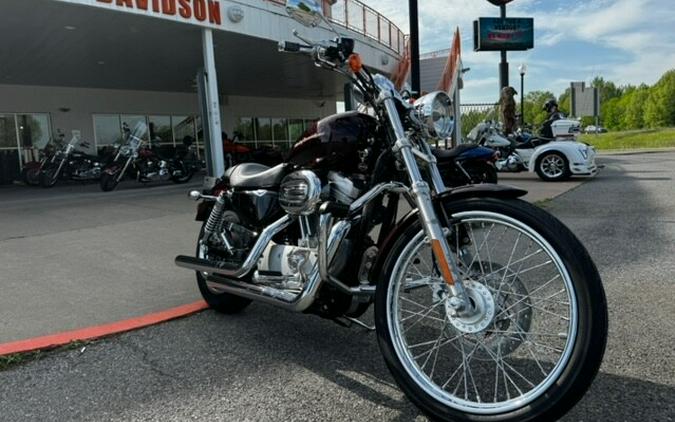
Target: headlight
584, 152
434, 110
300, 193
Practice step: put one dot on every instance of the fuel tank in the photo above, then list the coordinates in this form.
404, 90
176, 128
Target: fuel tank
335, 143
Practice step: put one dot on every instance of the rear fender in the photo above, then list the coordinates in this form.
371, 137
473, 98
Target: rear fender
472, 191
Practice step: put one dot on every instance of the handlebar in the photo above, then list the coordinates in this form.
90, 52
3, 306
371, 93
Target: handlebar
293, 47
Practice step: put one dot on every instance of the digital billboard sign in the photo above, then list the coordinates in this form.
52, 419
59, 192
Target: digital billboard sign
508, 34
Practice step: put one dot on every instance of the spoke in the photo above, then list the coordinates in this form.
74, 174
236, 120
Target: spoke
422, 316
450, 340
516, 262
523, 299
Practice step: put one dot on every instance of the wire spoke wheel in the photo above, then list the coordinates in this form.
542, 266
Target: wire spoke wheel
518, 335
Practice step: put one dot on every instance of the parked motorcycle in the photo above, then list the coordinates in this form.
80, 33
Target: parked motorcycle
467, 164
139, 160
486, 307
69, 163
30, 172
552, 160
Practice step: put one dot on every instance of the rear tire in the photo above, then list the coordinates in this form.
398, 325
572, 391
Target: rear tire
222, 302
482, 173
580, 356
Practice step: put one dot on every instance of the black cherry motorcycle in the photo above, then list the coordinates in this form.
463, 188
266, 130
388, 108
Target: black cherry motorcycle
138, 159
486, 308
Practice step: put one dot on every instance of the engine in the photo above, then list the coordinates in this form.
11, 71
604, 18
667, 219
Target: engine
289, 267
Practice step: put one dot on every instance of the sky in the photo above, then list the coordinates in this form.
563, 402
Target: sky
625, 41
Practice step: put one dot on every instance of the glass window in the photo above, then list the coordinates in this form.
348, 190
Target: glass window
160, 129
7, 131
183, 126
107, 129
280, 131
243, 130
263, 130
296, 127
129, 122
34, 130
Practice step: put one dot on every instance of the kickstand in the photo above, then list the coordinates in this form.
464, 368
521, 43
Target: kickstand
361, 323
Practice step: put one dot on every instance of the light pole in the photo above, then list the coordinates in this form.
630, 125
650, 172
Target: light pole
414, 48
523, 70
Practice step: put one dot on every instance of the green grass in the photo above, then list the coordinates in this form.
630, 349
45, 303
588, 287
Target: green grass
632, 139
9, 361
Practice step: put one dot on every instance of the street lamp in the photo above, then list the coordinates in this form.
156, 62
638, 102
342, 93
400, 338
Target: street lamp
523, 70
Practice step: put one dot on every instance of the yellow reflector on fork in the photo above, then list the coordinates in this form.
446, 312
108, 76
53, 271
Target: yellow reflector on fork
437, 248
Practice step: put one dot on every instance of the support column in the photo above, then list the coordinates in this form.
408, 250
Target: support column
213, 107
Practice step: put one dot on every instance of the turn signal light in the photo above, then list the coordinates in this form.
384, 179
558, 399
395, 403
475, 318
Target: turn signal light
355, 62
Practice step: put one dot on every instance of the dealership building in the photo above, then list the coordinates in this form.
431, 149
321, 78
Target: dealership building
94, 67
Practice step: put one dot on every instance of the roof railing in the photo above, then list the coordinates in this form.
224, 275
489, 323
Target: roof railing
354, 15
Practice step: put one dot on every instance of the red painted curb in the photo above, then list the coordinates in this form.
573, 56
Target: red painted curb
98, 331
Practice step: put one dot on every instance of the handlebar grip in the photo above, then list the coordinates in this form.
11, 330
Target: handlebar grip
289, 47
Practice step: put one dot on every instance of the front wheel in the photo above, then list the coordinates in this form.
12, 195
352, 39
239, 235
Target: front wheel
109, 181
535, 331
553, 167
49, 176
185, 175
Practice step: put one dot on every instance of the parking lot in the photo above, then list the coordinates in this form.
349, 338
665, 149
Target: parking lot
77, 256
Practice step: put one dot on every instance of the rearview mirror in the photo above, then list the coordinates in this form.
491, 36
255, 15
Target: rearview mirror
307, 12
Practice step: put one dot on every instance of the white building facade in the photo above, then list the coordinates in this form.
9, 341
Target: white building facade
96, 66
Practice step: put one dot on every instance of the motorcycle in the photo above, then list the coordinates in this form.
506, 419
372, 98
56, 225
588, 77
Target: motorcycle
137, 158
552, 159
466, 165
486, 307
30, 172
69, 163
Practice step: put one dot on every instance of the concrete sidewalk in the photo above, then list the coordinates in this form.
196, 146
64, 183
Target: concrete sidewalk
73, 257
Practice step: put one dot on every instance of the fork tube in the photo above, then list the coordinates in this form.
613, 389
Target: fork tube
422, 194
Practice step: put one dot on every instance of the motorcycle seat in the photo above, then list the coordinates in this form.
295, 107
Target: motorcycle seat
255, 176
445, 155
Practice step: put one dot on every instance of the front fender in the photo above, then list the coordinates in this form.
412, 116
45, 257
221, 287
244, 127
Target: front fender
484, 190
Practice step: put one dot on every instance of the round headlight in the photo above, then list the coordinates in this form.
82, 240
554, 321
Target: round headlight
435, 111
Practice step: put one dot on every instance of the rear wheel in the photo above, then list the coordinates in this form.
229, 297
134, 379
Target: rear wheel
553, 167
537, 330
31, 175
482, 172
213, 293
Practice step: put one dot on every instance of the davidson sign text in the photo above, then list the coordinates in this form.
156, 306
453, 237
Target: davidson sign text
201, 10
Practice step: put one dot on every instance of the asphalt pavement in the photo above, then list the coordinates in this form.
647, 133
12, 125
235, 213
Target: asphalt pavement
268, 365
73, 257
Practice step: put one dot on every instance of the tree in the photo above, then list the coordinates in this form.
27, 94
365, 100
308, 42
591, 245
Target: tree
659, 107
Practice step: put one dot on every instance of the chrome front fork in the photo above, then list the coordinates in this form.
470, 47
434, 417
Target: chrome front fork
421, 193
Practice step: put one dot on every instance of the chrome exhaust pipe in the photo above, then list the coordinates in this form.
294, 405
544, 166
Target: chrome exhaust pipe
211, 268
280, 298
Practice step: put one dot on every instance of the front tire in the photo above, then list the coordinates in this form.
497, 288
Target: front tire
109, 181
534, 356
553, 167
48, 177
